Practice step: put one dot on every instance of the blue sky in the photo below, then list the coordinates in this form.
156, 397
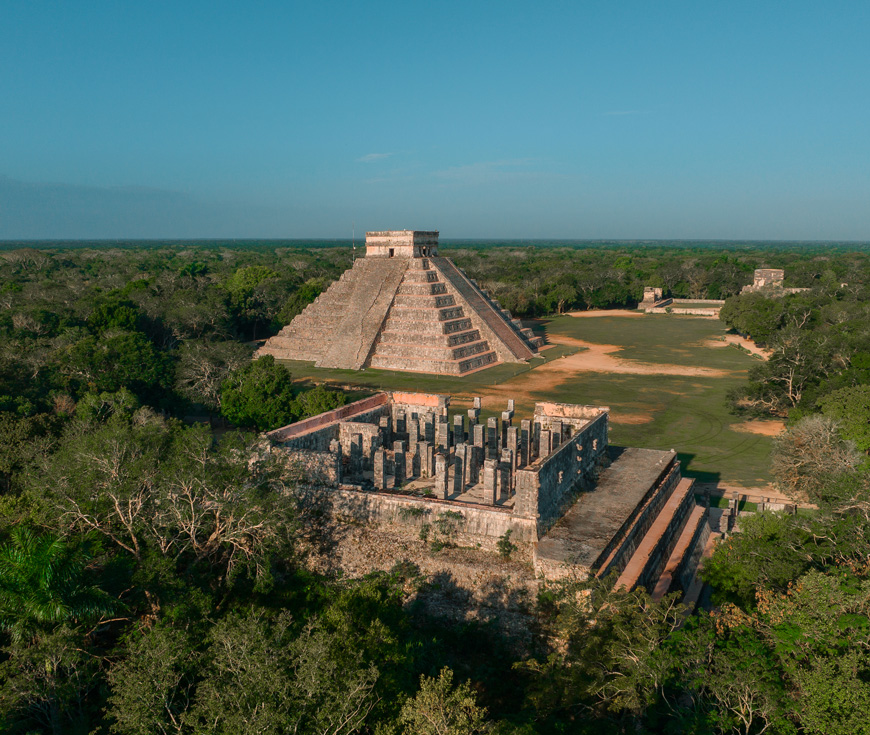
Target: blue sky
620, 119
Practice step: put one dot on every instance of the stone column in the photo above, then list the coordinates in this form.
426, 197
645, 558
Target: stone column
555, 434
470, 470
459, 470
442, 437
525, 442
490, 481
492, 443
380, 466
505, 475
356, 454
459, 429
424, 451
385, 430
399, 461
401, 423
544, 443
479, 435
441, 476
513, 444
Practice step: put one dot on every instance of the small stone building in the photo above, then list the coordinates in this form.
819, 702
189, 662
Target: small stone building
403, 307
551, 479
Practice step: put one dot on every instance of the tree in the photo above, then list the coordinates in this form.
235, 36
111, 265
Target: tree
850, 407
808, 455
204, 366
439, 708
259, 395
43, 583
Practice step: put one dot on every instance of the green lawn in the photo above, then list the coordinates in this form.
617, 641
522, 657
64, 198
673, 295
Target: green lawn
686, 413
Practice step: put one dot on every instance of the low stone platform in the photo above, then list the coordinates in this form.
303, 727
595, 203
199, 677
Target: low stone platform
583, 538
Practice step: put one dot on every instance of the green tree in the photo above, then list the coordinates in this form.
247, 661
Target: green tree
440, 708
43, 583
850, 407
259, 395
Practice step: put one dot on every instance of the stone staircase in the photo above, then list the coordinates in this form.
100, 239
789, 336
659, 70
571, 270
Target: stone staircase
650, 558
428, 329
515, 344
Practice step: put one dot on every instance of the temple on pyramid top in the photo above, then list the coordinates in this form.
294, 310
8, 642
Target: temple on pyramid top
403, 307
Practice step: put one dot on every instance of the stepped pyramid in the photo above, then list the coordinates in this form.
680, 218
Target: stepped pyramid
403, 307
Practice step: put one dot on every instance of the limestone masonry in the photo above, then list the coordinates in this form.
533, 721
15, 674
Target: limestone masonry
586, 508
403, 307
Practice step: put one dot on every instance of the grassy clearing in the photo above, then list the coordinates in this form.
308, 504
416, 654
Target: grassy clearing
686, 413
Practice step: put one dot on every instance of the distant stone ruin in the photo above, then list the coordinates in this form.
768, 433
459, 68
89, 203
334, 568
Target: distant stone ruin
401, 460
770, 281
402, 307
655, 303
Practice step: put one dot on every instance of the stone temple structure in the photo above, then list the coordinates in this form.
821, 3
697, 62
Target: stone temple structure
585, 508
403, 307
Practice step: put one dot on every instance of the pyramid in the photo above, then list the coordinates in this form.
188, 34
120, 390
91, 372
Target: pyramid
402, 307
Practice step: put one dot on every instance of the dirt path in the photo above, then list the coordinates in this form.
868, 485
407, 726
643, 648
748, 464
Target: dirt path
736, 339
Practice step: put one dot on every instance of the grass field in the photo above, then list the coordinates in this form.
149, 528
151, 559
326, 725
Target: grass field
655, 402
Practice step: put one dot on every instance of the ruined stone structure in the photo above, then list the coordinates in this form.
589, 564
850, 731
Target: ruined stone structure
770, 281
403, 307
655, 303
552, 480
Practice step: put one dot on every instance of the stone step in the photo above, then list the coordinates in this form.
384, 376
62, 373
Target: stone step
422, 289
652, 553
668, 581
424, 365
432, 327
421, 276
406, 337
423, 301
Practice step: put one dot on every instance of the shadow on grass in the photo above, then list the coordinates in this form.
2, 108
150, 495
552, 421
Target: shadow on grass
699, 475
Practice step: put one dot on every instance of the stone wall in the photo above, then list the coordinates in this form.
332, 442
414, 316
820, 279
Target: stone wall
481, 524
319, 469
316, 433
544, 487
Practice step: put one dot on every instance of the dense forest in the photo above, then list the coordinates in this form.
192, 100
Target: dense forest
154, 573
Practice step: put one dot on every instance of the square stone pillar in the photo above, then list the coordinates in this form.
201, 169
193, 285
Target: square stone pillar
441, 476
401, 423
429, 428
556, 431
493, 447
385, 430
479, 435
513, 444
424, 453
544, 443
442, 433
459, 470
399, 462
490, 481
505, 476
459, 429
356, 454
470, 466
380, 467
525, 442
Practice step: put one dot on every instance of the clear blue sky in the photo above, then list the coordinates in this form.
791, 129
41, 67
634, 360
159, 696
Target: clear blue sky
608, 119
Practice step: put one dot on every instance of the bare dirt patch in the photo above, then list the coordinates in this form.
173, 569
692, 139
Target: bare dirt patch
763, 427
736, 339
600, 359
617, 417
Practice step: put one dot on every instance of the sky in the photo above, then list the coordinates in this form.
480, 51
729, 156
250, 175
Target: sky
613, 119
